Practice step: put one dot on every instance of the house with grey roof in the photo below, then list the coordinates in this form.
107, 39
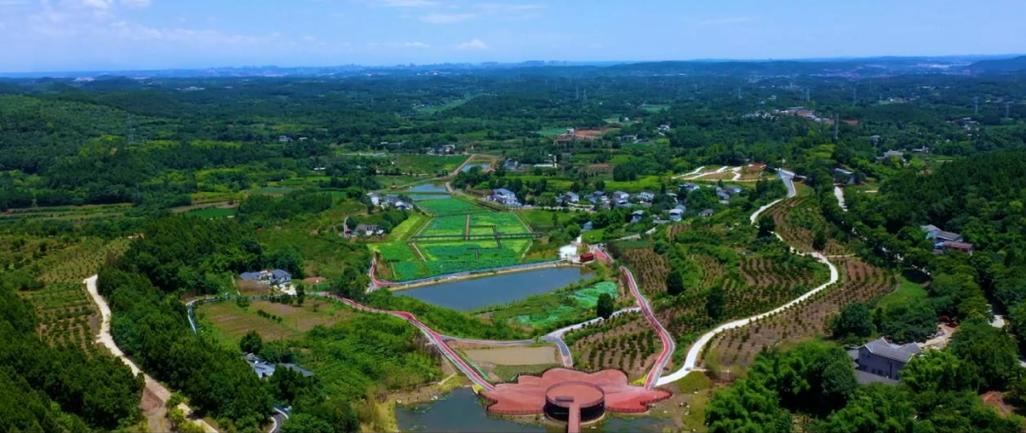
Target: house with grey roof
884, 359
274, 277
677, 213
637, 216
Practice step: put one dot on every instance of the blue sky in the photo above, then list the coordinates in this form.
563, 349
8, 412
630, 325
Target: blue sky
55, 35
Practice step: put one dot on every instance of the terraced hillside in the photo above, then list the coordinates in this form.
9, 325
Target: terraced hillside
64, 310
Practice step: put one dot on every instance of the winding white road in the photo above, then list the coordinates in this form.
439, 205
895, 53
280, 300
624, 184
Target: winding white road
691, 360
839, 194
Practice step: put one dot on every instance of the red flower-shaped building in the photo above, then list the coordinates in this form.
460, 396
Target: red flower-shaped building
572, 396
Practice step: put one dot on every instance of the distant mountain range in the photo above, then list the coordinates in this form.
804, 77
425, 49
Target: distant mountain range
842, 67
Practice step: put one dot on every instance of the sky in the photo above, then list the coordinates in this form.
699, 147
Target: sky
85, 35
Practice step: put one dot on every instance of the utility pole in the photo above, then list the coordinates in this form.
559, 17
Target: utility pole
806, 95
739, 93
976, 105
577, 93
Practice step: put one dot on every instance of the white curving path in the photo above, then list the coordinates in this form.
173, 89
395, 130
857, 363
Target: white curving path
839, 194
691, 359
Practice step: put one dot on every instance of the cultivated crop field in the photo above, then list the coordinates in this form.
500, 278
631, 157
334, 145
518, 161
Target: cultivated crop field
797, 222
625, 342
860, 282
65, 312
228, 322
411, 252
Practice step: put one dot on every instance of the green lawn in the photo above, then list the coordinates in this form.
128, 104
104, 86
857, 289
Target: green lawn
906, 292
540, 219
449, 206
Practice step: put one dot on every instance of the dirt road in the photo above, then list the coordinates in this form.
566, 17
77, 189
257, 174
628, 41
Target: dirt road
155, 395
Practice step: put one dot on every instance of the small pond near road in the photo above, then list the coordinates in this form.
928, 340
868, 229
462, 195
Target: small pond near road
462, 411
477, 293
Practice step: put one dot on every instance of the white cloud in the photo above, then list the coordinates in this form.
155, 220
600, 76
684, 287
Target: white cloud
415, 44
442, 18
473, 44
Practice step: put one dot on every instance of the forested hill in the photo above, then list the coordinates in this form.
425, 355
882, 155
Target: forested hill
980, 196
1016, 64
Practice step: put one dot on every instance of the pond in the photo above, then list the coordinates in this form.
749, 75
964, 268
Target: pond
483, 166
462, 411
477, 293
427, 187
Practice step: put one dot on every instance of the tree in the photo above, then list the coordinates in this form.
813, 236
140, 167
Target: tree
991, 350
306, 423
604, 307
766, 226
715, 303
855, 322
939, 370
819, 240
674, 283
746, 407
300, 293
874, 408
905, 323
251, 343
288, 259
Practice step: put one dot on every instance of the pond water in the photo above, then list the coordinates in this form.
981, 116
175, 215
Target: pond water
497, 289
462, 411
484, 166
427, 187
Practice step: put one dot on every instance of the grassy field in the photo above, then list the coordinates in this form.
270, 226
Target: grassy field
325, 253
540, 219
551, 132
449, 206
655, 108
906, 292
428, 164
228, 322
646, 183
213, 212
551, 310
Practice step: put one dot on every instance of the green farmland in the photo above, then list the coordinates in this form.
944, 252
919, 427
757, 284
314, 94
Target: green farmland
436, 244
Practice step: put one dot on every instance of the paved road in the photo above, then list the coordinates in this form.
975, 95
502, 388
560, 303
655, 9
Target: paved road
104, 337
